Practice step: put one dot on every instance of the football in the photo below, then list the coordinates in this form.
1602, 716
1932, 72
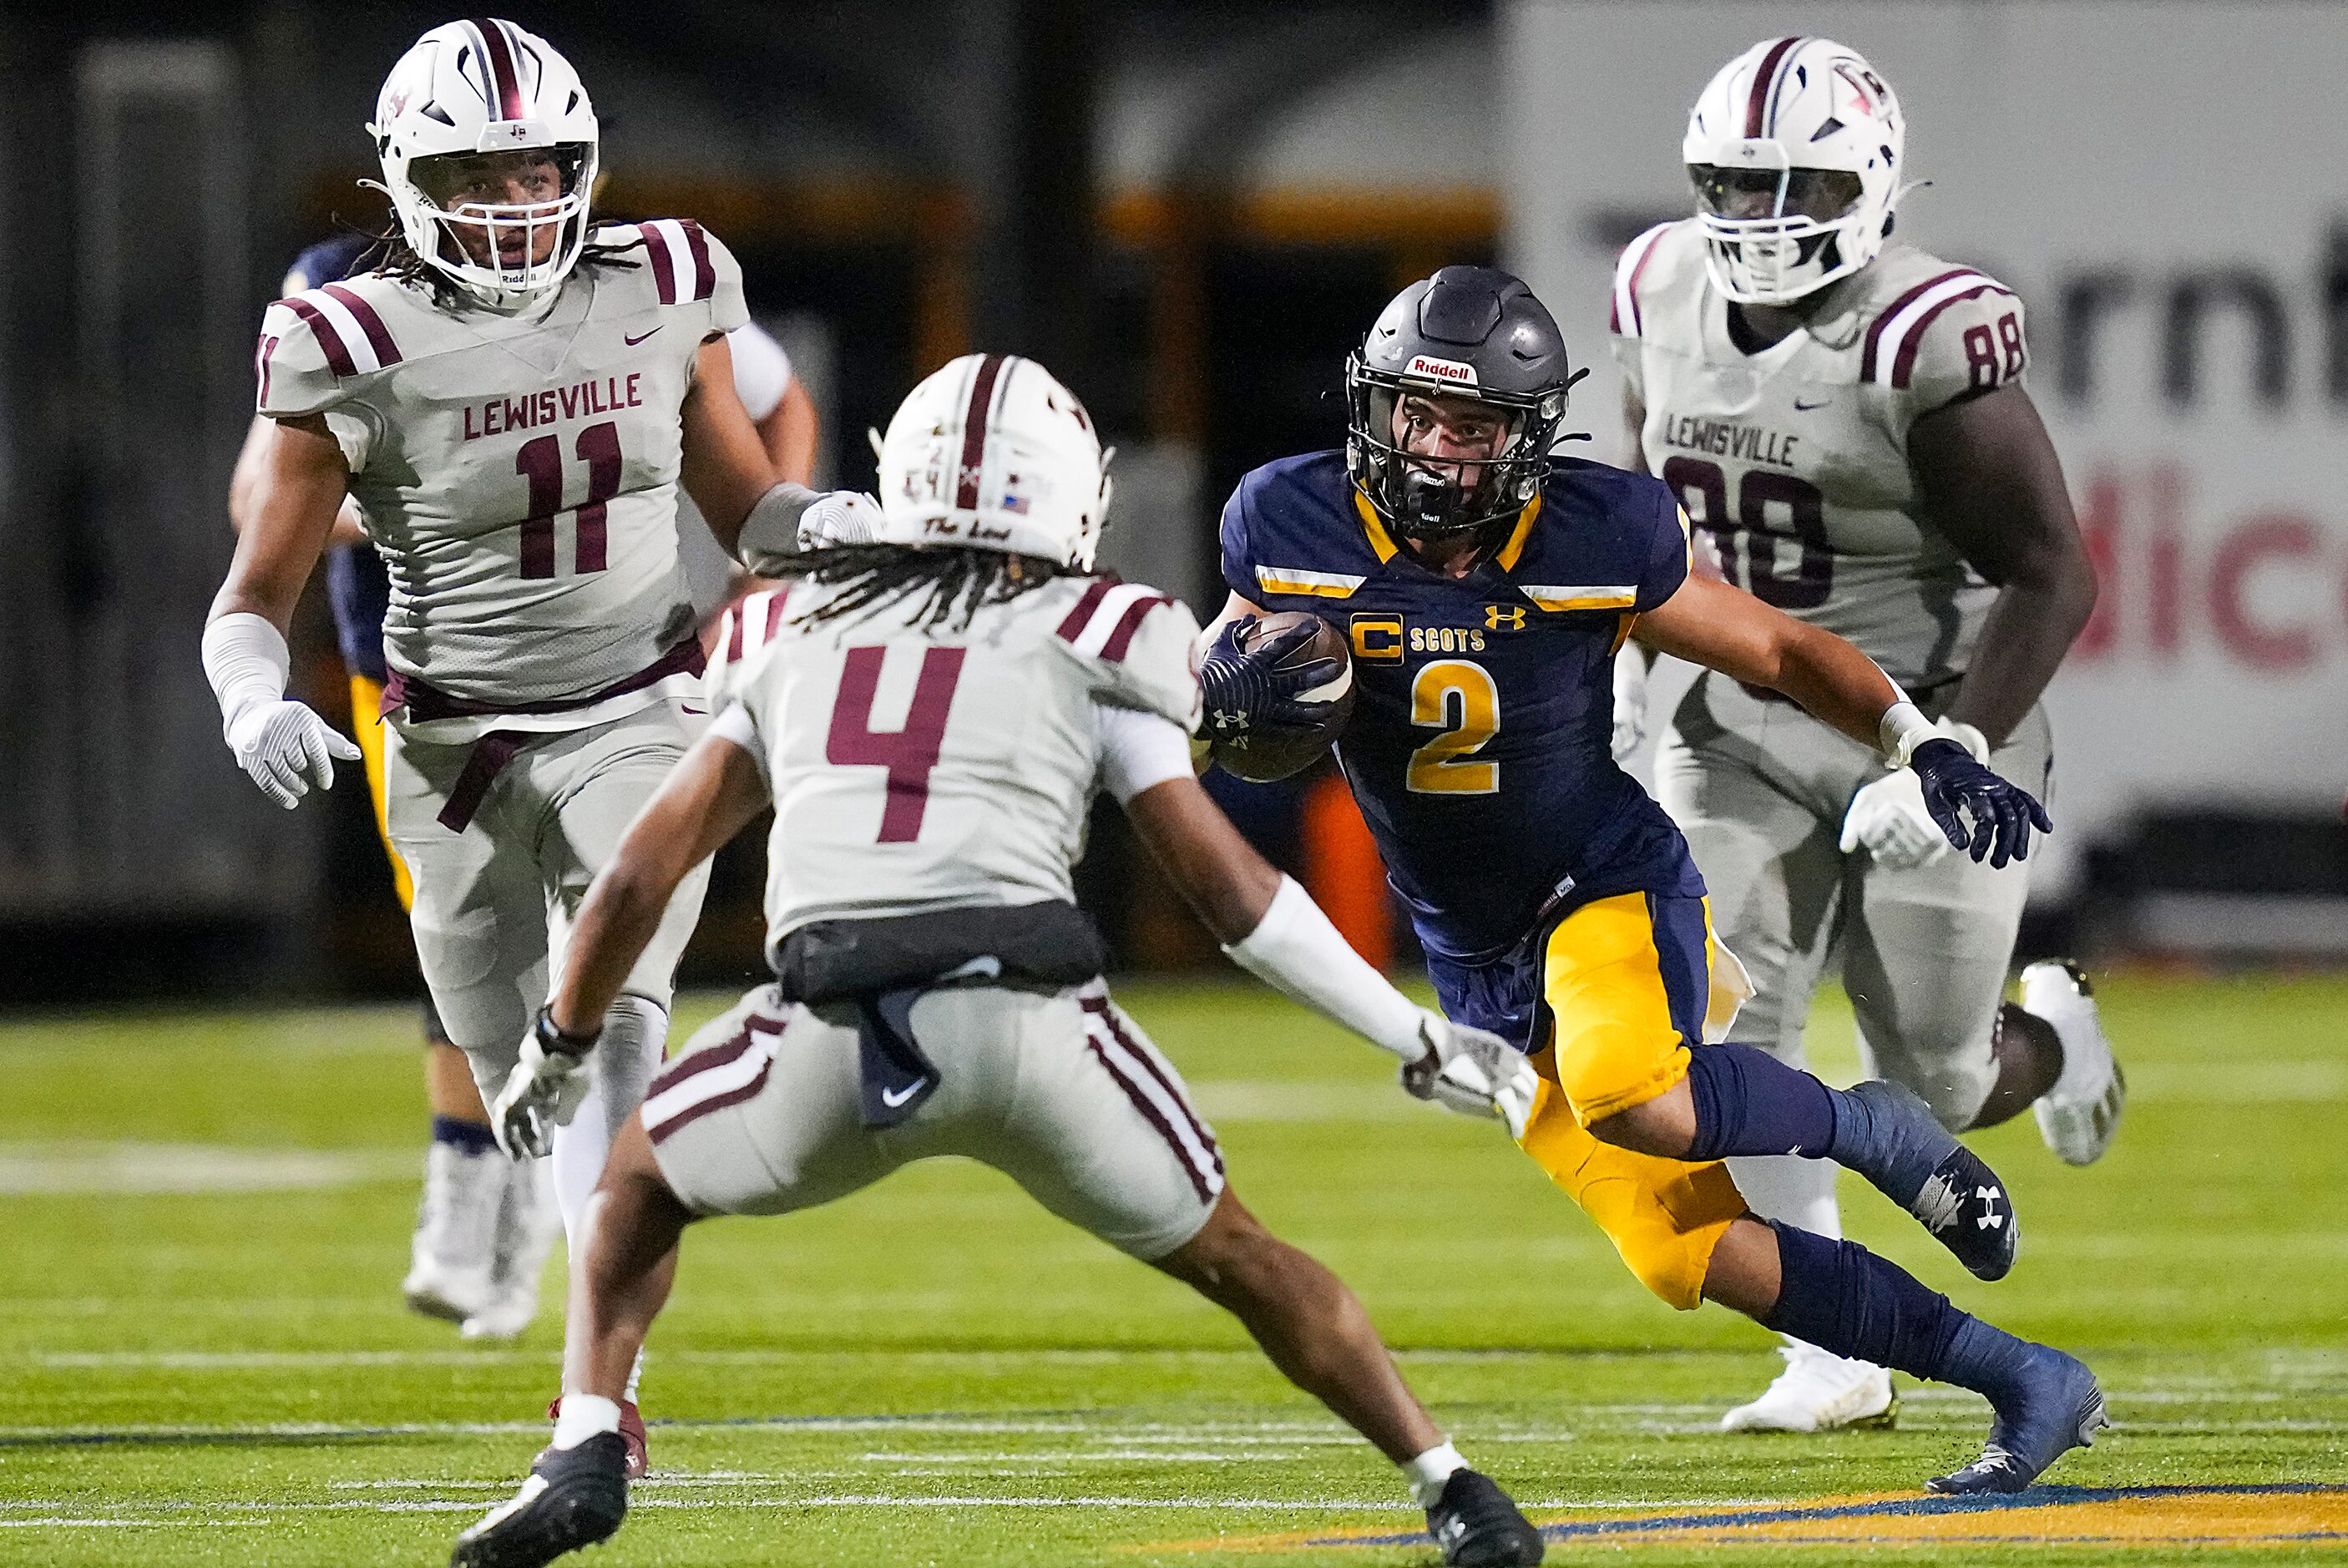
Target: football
1268, 755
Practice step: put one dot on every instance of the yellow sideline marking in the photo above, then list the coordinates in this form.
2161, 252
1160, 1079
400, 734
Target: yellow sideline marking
2279, 1515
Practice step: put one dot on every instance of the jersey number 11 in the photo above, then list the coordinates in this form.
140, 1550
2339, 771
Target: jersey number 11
541, 462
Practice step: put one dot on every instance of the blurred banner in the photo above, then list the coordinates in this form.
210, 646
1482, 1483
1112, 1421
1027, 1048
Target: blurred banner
2161, 185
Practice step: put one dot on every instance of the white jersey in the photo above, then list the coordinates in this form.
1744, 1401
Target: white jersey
923, 768
1794, 460
518, 474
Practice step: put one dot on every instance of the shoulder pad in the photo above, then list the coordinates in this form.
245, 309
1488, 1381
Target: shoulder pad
315, 341
746, 631
1636, 271
1141, 646
1939, 330
690, 265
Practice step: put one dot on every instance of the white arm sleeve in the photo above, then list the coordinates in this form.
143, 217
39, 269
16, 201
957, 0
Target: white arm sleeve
247, 661
1296, 950
1139, 750
762, 371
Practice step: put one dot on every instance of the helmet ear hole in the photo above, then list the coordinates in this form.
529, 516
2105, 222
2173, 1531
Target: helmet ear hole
1888, 220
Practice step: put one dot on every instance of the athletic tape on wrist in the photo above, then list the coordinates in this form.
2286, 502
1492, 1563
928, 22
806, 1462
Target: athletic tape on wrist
772, 529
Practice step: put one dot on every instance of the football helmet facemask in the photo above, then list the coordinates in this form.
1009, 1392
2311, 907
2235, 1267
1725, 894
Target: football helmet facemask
1471, 336
1795, 149
473, 110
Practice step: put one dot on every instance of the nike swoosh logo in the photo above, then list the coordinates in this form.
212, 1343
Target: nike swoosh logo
1799, 406
631, 342
892, 1099
690, 708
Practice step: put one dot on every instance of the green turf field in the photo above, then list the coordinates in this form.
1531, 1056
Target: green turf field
220, 1370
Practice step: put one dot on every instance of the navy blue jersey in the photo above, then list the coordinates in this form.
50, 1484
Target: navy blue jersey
1479, 744
357, 587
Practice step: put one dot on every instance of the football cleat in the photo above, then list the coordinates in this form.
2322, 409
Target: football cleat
631, 1437
1817, 1392
2079, 1116
2057, 1407
1478, 1526
574, 1498
1918, 1164
452, 1259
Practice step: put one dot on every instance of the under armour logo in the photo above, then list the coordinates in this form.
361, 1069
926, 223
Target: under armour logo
1504, 617
1991, 1221
1228, 718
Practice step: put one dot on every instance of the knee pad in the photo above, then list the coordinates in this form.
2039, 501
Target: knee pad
1609, 1066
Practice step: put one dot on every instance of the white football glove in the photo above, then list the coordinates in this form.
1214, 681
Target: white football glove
1887, 818
285, 747
839, 516
542, 1092
1630, 702
1472, 1072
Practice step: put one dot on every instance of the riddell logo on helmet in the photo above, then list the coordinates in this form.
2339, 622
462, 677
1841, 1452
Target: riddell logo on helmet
1450, 370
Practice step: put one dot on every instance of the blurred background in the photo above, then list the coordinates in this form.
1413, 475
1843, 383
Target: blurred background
1190, 211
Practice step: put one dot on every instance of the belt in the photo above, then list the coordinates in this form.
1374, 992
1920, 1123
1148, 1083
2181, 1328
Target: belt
426, 702
483, 765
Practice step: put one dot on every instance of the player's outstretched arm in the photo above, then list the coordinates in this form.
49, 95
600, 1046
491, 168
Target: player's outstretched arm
294, 490
1268, 924
1711, 624
1987, 477
713, 793
725, 465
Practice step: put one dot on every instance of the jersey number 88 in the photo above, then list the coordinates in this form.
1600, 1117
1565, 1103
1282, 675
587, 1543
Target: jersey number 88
1703, 488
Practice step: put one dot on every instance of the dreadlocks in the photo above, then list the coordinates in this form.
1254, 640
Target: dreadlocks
394, 257
957, 582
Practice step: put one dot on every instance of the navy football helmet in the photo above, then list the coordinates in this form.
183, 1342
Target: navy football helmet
1473, 333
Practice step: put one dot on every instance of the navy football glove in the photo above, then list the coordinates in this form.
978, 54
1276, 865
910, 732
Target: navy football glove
1245, 689
2002, 813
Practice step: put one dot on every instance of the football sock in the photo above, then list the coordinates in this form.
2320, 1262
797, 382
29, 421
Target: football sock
1843, 1298
1427, 1473
469, 1137
1749, 1102
584, 1415
626, 1056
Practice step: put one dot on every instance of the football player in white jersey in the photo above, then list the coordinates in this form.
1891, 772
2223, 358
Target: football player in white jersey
512, 404
930, 707
1843, 416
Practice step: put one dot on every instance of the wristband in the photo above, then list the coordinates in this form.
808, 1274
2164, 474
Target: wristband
1903, 729
1296, 950
551, 1039
772, 529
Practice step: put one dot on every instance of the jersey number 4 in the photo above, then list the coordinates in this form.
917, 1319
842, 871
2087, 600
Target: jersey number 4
1448, 765
910, 754
541, 462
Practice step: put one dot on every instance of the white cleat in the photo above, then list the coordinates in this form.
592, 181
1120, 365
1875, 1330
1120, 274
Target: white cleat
1817, 1392
452, 1261
2079, 1116
528, 1223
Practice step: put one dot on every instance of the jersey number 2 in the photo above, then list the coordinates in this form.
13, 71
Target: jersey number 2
541, 462
909, 754
1448, 765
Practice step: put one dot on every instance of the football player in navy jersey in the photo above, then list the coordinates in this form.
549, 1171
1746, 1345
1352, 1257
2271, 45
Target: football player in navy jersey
486, 1223
1484, 586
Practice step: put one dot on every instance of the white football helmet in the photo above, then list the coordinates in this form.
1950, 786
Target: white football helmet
476, 87
1796, 149
991, 453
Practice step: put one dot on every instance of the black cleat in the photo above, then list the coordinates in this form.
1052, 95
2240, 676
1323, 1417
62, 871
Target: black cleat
1919, 1165
2057, 1408
1478, 1526
574, 1498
